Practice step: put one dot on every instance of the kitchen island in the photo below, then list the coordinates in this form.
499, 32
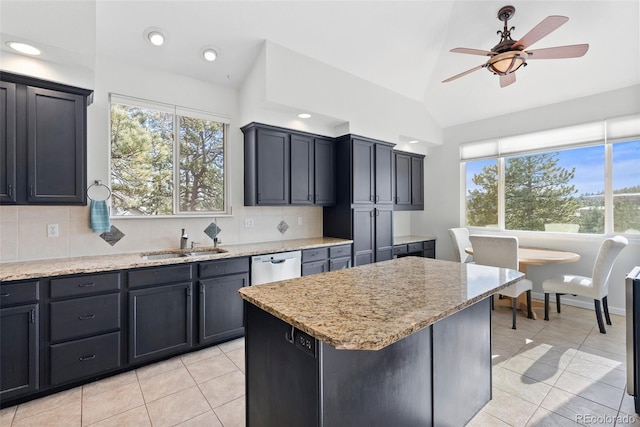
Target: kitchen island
405, 342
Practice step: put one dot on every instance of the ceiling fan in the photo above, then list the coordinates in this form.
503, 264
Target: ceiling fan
509, 55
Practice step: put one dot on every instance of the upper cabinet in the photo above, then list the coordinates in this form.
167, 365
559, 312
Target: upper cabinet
372, 172
285, 167
43, 142
409, 181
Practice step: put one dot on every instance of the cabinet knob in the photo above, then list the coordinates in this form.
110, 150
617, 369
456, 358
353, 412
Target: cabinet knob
377, 198
86, 285
31, 190
87, 316
10, 190
85, 358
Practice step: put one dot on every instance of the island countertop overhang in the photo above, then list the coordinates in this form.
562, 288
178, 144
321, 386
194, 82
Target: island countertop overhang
372, 306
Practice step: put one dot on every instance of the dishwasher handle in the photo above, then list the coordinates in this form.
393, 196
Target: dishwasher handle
277, 261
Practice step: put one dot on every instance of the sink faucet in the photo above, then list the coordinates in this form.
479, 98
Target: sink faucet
183, 240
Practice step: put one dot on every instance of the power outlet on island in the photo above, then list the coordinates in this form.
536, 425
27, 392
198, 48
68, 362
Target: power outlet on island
52, 230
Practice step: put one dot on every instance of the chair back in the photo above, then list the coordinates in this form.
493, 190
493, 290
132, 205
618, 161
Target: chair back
460, 238
497, 251
609, 251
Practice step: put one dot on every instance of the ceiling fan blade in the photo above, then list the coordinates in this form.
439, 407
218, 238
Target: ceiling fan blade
464, 73
472, 51
548, 25
507, 80
571, 51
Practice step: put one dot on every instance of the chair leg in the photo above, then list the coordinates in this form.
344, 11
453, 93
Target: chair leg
546, 306
605, 305
599, 317
529, 312
492, 306
558, 302
514, 303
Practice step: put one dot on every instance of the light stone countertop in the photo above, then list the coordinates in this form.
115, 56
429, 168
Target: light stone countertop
61, 266
403, 240
372, 306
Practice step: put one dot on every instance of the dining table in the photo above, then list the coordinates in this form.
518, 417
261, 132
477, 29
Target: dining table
535, 257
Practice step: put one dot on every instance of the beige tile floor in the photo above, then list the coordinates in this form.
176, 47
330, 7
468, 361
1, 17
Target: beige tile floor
557, 373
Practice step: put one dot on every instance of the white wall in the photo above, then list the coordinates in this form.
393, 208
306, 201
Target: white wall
442, 186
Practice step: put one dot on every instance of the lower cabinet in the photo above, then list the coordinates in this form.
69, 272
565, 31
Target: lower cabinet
321, 260
85, 357
221, 313
160, 321
426, 249
19, 351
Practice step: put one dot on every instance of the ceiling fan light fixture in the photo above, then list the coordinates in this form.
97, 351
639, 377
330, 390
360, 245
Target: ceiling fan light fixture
507, 62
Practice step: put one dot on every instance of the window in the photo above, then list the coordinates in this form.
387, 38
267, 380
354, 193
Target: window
165, 160
556, 181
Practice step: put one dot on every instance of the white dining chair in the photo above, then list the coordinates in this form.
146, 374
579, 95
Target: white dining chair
460, 239
502, 251
596, 286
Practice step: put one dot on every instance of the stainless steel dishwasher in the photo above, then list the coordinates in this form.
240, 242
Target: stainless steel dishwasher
274, 267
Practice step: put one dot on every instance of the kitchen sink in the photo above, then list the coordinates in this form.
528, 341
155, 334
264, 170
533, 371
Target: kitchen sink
186, 253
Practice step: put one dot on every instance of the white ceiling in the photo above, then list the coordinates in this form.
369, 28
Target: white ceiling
400, 45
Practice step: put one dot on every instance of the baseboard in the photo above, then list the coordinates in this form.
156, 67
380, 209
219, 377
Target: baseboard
568, 300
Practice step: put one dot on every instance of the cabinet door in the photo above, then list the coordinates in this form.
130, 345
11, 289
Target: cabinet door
363, 236
363, 155
7, 142
417, 182
384, 174
19, 352
55, 147
160, 321
221, 308
302, 176
309, 268
384, 232
403, 180
325, 172
273, 167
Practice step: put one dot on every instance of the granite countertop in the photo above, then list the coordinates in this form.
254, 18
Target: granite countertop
61, 266
372, 306
403, 240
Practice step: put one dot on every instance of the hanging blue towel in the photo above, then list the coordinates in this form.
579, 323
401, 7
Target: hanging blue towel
99, 216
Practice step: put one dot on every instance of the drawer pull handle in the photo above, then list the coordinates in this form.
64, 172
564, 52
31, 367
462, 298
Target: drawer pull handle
4, 295
86, 285
85, 358
87, 317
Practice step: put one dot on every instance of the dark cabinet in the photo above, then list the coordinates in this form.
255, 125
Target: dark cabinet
19, 339
7, 142
160, 321
320, 260
221, 309
284, 167
426, 249
363, 211
43, 142
409, 181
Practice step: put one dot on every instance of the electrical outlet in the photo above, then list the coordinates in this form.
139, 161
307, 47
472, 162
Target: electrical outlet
299, 220
248, 223
52, 230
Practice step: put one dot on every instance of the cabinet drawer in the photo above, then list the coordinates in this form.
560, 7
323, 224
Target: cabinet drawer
223, 267
400, 249
339, 263
315, 267
19, 293
84, 285
429, 244
340, 251
81, 358
156, 276
309, 255
84, 316
414, 247
431, 253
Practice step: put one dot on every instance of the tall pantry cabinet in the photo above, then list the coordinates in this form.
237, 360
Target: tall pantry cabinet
364, 198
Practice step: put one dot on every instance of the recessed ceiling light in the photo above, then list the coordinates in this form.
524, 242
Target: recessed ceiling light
209, 54
154, 36
27, 49
413, 141
304, 115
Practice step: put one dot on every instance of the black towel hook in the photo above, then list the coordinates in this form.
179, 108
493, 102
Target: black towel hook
98, 183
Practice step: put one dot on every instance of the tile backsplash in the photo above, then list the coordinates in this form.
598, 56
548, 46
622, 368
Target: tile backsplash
23, 230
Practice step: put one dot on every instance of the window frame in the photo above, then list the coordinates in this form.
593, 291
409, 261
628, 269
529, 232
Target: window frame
177, 112
616, 130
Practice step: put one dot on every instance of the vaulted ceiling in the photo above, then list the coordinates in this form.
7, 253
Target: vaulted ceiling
400, 45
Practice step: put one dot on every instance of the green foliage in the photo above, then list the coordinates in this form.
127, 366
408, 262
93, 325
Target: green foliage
482, 203
142, 169
626, 209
